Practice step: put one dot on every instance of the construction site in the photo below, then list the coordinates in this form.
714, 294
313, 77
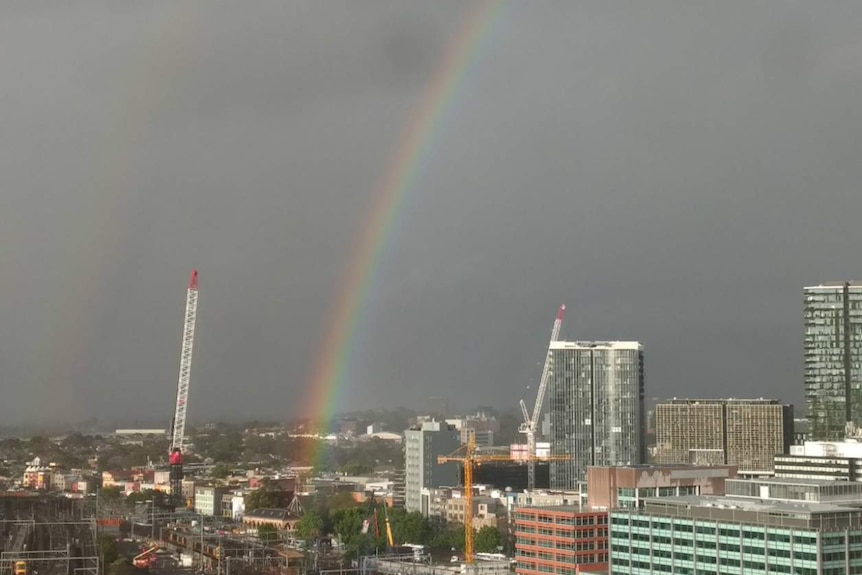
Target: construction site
47, 536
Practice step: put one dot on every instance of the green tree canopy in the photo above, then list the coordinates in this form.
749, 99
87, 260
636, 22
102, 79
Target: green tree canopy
221, 470
310, 527
356, 469
227, 447
266, 497
108, 549
488, 540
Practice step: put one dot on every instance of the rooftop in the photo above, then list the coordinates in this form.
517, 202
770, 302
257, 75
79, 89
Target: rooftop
791, 481
852, 283
771, 506
758, 400
662, 466
628, 345
270, 513
557, 508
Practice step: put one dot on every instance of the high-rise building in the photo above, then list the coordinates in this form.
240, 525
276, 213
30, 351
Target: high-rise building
833, 358
596, 406
747, 433
422, 445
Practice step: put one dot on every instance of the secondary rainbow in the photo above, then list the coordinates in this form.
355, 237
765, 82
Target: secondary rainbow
401, 177
143, 87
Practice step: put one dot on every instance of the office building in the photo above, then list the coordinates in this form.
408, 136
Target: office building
810, 490
746, 433
829, 460
630, 485
833, 358
713, 535
423, 444
208, 499
480, 438
562, 540
596, 407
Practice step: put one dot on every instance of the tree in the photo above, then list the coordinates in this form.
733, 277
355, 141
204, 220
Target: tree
488, 540
310, 527
356, 469
220, 471
108, 549
342, 500
266, 497
410, 527
227, 447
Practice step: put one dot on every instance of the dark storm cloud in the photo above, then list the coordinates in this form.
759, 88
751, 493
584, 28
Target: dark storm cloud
674, 172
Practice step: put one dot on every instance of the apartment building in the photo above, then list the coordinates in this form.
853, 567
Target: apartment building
596, 407
208, 500
746, 433
423, 444
487, 511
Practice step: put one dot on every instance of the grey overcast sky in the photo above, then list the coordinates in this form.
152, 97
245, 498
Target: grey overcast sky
675, 172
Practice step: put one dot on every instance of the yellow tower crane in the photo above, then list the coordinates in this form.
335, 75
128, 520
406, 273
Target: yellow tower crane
468, 457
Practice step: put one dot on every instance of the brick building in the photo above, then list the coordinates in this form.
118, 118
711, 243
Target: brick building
564, 540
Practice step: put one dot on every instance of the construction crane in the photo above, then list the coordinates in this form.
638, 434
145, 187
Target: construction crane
178, 427
467, 456
531, 423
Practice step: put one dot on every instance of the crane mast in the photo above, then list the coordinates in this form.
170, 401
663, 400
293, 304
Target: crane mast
468, 456
178, 427
531, 423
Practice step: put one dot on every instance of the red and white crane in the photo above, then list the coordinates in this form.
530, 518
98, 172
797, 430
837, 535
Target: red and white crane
531, 424
178, 427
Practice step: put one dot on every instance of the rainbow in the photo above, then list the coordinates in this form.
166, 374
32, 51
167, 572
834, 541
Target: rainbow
141, 88
400, 178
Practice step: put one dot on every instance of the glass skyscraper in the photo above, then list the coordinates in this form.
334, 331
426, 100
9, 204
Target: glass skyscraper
596, 405
833, 358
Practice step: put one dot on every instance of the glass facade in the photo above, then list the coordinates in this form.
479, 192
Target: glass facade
596, 408
643, 544
833, 357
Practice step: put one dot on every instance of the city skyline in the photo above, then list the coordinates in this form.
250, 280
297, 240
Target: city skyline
675, 177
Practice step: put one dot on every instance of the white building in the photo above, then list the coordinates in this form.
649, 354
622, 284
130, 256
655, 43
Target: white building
423, 445
208, 500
